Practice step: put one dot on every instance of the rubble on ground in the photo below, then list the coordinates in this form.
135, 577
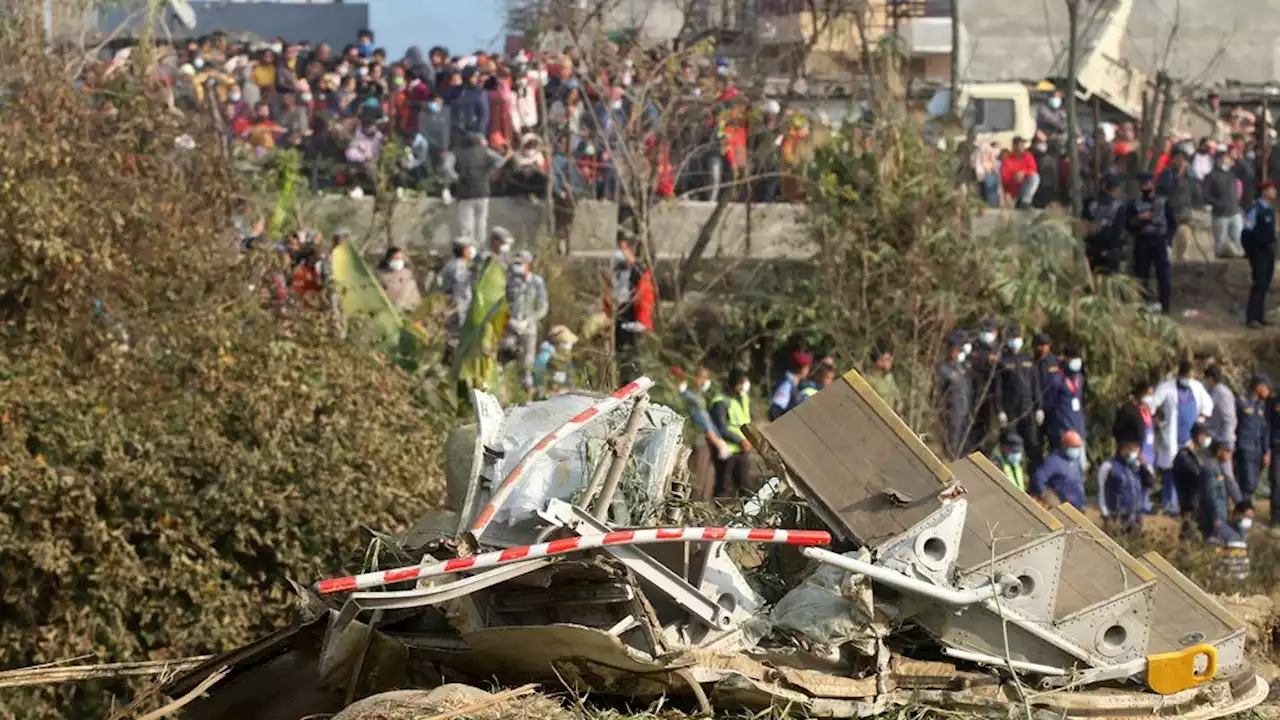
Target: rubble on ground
566, 559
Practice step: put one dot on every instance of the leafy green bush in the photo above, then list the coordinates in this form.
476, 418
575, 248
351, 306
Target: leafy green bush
169, 456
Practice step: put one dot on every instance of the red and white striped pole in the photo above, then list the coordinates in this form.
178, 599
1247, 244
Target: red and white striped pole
647, 536
602, 408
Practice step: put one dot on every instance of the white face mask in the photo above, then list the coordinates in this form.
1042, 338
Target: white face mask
617, 104
968, 348
566, 346
1015, 344
306, 97
961, 357
1074, 364
746, 387
1072, 452
234, 97
705, 386
619, 257
1206, 441
683, 387
277, 48
1055, 102
1246, 523
396, 264
986, 338
198, 63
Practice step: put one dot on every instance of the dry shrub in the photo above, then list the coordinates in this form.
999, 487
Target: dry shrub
155, 494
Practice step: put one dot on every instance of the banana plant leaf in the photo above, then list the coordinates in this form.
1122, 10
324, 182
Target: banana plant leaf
369, 312
476, 360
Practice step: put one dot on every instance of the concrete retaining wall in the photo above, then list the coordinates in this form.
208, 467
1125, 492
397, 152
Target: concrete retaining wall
777, 230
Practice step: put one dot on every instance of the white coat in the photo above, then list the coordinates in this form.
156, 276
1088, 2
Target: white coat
1165, 403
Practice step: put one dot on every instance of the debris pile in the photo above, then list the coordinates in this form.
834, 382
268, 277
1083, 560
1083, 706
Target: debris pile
566, 559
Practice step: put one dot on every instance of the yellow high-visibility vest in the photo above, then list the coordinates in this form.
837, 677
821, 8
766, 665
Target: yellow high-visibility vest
739, 416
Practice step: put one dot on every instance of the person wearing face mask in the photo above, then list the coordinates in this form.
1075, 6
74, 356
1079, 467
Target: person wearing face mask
364, 43
1019, 174
1060, 473
1104, 238
553, 368
1009, 459
1188, 476
1135, 425
526, 307
475, 164
984, 362
1252, 444
1151, 219
455, 283
397, 279
1259, 242
471, 108
1222, 194
731, 413
954, 398
1065, 402
1051, 118
1017, 391
1123, 484
1181, 404
710, 448
629, 299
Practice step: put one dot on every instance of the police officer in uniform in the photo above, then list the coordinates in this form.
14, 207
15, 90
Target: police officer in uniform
1017, 392
1259, 240
1048, 374
1151, 220
1253, 446
1104, 243
983, 366
955, 399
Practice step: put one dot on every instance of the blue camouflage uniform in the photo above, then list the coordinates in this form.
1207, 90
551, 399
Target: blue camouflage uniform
1252, 443
1060, 474
784, 395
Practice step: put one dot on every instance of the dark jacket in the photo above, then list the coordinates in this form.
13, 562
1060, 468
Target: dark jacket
1159, 227
471, 111
1129, 426
1259, 236
476, 164
1182, 190
1253, 433
1017, 386
955, 403
1061, 475
436, 128
1220, 192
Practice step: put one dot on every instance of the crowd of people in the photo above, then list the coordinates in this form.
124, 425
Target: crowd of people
1148, 231
470, 127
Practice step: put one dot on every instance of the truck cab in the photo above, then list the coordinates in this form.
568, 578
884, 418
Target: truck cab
992, 112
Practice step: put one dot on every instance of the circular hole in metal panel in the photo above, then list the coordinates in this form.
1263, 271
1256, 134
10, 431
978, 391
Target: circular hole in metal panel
728, 602
935, 548
1115, 636
1191, 638
1027, 585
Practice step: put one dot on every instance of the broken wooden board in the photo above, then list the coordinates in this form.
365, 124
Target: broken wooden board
848, 452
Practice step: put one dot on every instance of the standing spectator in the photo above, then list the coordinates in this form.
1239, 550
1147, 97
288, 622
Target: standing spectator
471, 108
1181, 404
1221, 423
710, 447
396, 277
1065, 403
954, 397
1151, 220
731, 412
880, 378
1222, 193
476, 165
784, 393
1216, 495
1051, 118
1259, 242
984, 363
526, 307
1252, 447
1009, 459
630, 299
1202, 163
1182, 190
1122, 489
1061, 473
455, 283
1017, 391
1019, 175
1189, 478
1105, 238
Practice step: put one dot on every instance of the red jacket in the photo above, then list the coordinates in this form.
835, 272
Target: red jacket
1011, 166
643, 298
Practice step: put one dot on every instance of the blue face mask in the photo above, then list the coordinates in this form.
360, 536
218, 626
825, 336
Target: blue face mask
1072, 453
1132, 459
1014, 458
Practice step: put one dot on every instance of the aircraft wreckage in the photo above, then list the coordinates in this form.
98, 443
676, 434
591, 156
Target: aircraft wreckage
568, 558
